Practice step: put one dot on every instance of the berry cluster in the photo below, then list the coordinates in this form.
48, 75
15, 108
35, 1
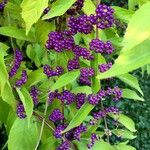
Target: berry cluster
85, 74
34, 92
94, 138
94, 99
116, 93
82, 52
51, 73
104, 15
85, 24
105, 67
56, 115
52, 96
60, 41
101, 114
20, 111
73, 64
17, 62
73, 134
80, 100
58, 130
2, 5
64, 146
67, 97
76, 8
82, 24
77, 131
99, 46
23, 79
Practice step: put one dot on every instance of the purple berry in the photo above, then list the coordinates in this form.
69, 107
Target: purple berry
80, 24
20, 111
76, 7
60, 41
94, 138
112, 109
85, 74
46, 10
116, 93
82, 52
2, 5
67, 97
77, 132
105, 67
52, 96
80, 100
34, 92
58, 130
104, 15
51, 73
64, 146
93, 99
73, 64
99, 115
56, 115
23, 79
17, 62
99, 46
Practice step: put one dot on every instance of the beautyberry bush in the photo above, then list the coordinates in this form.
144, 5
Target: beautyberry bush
66, 67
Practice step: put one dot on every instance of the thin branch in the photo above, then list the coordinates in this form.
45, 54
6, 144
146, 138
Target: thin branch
5, 145
42, 127
106, 126
41, 118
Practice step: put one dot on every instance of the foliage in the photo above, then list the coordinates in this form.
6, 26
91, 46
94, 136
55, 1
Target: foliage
66, 72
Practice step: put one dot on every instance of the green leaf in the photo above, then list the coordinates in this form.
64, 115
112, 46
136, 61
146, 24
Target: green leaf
89, 4
27, 101
6, 90
124, 134
123, 14
36, 76
42, 35
126, 121
7, 95
137, 32
32, 11
16, 33
130, 80
30, 52
141, 2
4, 111
125, 147
139, 56
82, 89
3, 49
48, 144
10, 120
65, 79
22, 136
81, 145
130, 94
136, 45
132, 4
59, 8
80, 116
102, 145
13, 11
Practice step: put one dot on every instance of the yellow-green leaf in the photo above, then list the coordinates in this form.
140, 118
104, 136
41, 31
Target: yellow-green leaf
59, 8
32, 11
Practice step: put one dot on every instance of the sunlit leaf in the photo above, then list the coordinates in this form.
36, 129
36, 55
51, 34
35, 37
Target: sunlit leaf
32, 11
